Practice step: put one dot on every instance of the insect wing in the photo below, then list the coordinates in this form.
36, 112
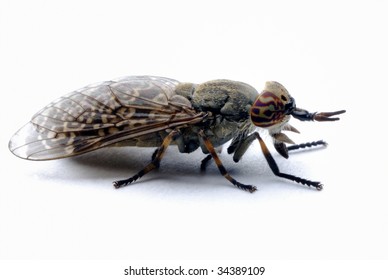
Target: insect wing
100, 115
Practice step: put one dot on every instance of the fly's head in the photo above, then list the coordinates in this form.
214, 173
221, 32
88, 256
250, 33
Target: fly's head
273, 109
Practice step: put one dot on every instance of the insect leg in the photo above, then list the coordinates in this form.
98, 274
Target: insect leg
283, 149
243, 147
275, 169
221, 168
154, 154
307, 145
154, 163
206, 161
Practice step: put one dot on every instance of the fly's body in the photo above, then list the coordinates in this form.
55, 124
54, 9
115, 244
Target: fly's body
149, 111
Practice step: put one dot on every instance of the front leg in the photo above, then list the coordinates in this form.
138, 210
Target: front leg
275, 169
307, 145
240, 149
283, 150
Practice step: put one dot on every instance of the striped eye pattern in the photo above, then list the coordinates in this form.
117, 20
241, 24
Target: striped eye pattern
271, 106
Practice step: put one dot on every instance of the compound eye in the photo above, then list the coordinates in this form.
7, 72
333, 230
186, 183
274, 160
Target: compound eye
269, 109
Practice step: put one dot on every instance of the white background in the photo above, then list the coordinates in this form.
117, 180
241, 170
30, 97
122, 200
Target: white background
331, 55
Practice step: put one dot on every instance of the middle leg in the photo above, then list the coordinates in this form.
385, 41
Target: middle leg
209, 146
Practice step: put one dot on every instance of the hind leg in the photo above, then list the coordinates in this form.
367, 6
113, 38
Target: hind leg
156, 158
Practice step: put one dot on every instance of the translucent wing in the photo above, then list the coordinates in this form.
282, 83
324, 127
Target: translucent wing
102, 114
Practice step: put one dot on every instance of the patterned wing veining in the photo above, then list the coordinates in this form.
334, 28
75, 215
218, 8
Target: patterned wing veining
102, 114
